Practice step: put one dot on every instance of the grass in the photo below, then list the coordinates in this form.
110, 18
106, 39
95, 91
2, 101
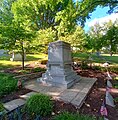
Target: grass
75, 116
35, 57
112, 59
6, 63
30, 58
97, 61
104, 57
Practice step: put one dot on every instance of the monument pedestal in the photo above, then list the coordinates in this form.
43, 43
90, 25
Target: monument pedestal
59, 71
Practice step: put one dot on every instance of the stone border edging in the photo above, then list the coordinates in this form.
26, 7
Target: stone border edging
29, 76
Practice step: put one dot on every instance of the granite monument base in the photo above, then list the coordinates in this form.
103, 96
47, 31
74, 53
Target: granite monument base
60, 78
59, 67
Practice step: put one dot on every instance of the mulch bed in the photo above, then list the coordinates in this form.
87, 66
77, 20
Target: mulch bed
96, 96
14, 95
93, 101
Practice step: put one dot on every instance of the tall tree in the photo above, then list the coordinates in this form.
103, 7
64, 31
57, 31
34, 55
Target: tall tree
13, 36
104, 35
111, 36
6, 14
42, 39
96, 37
61, 15
75, 38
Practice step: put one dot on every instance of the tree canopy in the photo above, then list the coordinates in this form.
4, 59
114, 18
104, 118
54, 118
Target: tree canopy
103, 36
63, 17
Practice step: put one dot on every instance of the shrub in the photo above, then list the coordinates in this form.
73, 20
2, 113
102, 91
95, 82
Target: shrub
24, 71
1, 107
39, 69
39, 104
116, 85
113, 69
84, 64
71, 116
96, 68
7, 84
44, 62
66, 116
116, 99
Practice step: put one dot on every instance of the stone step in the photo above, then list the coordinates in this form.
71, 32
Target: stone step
14, 104
28, 95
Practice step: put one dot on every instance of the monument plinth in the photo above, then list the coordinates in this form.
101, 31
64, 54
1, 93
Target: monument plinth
59, 70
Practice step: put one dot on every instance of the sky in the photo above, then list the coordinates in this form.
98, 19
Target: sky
100, 16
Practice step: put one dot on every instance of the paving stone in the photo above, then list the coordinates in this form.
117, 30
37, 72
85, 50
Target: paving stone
85, 79
35, 86
68, 95
79, 99
85, 90
54, 91
75, 95
31, 82
79, 86
26, 96
14, 104
88, 80
46, 90
88, 86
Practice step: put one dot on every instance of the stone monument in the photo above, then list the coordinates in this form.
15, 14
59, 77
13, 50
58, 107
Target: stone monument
59, 70
17, 57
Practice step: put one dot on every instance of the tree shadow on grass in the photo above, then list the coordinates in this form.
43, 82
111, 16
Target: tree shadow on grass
32, 58
4, 66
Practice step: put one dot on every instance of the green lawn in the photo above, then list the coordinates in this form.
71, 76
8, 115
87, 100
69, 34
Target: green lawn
35, 57
113, 59
6, 63
104, 57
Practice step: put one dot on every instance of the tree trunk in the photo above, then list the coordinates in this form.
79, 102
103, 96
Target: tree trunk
22, 56
111, 53
98, 53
